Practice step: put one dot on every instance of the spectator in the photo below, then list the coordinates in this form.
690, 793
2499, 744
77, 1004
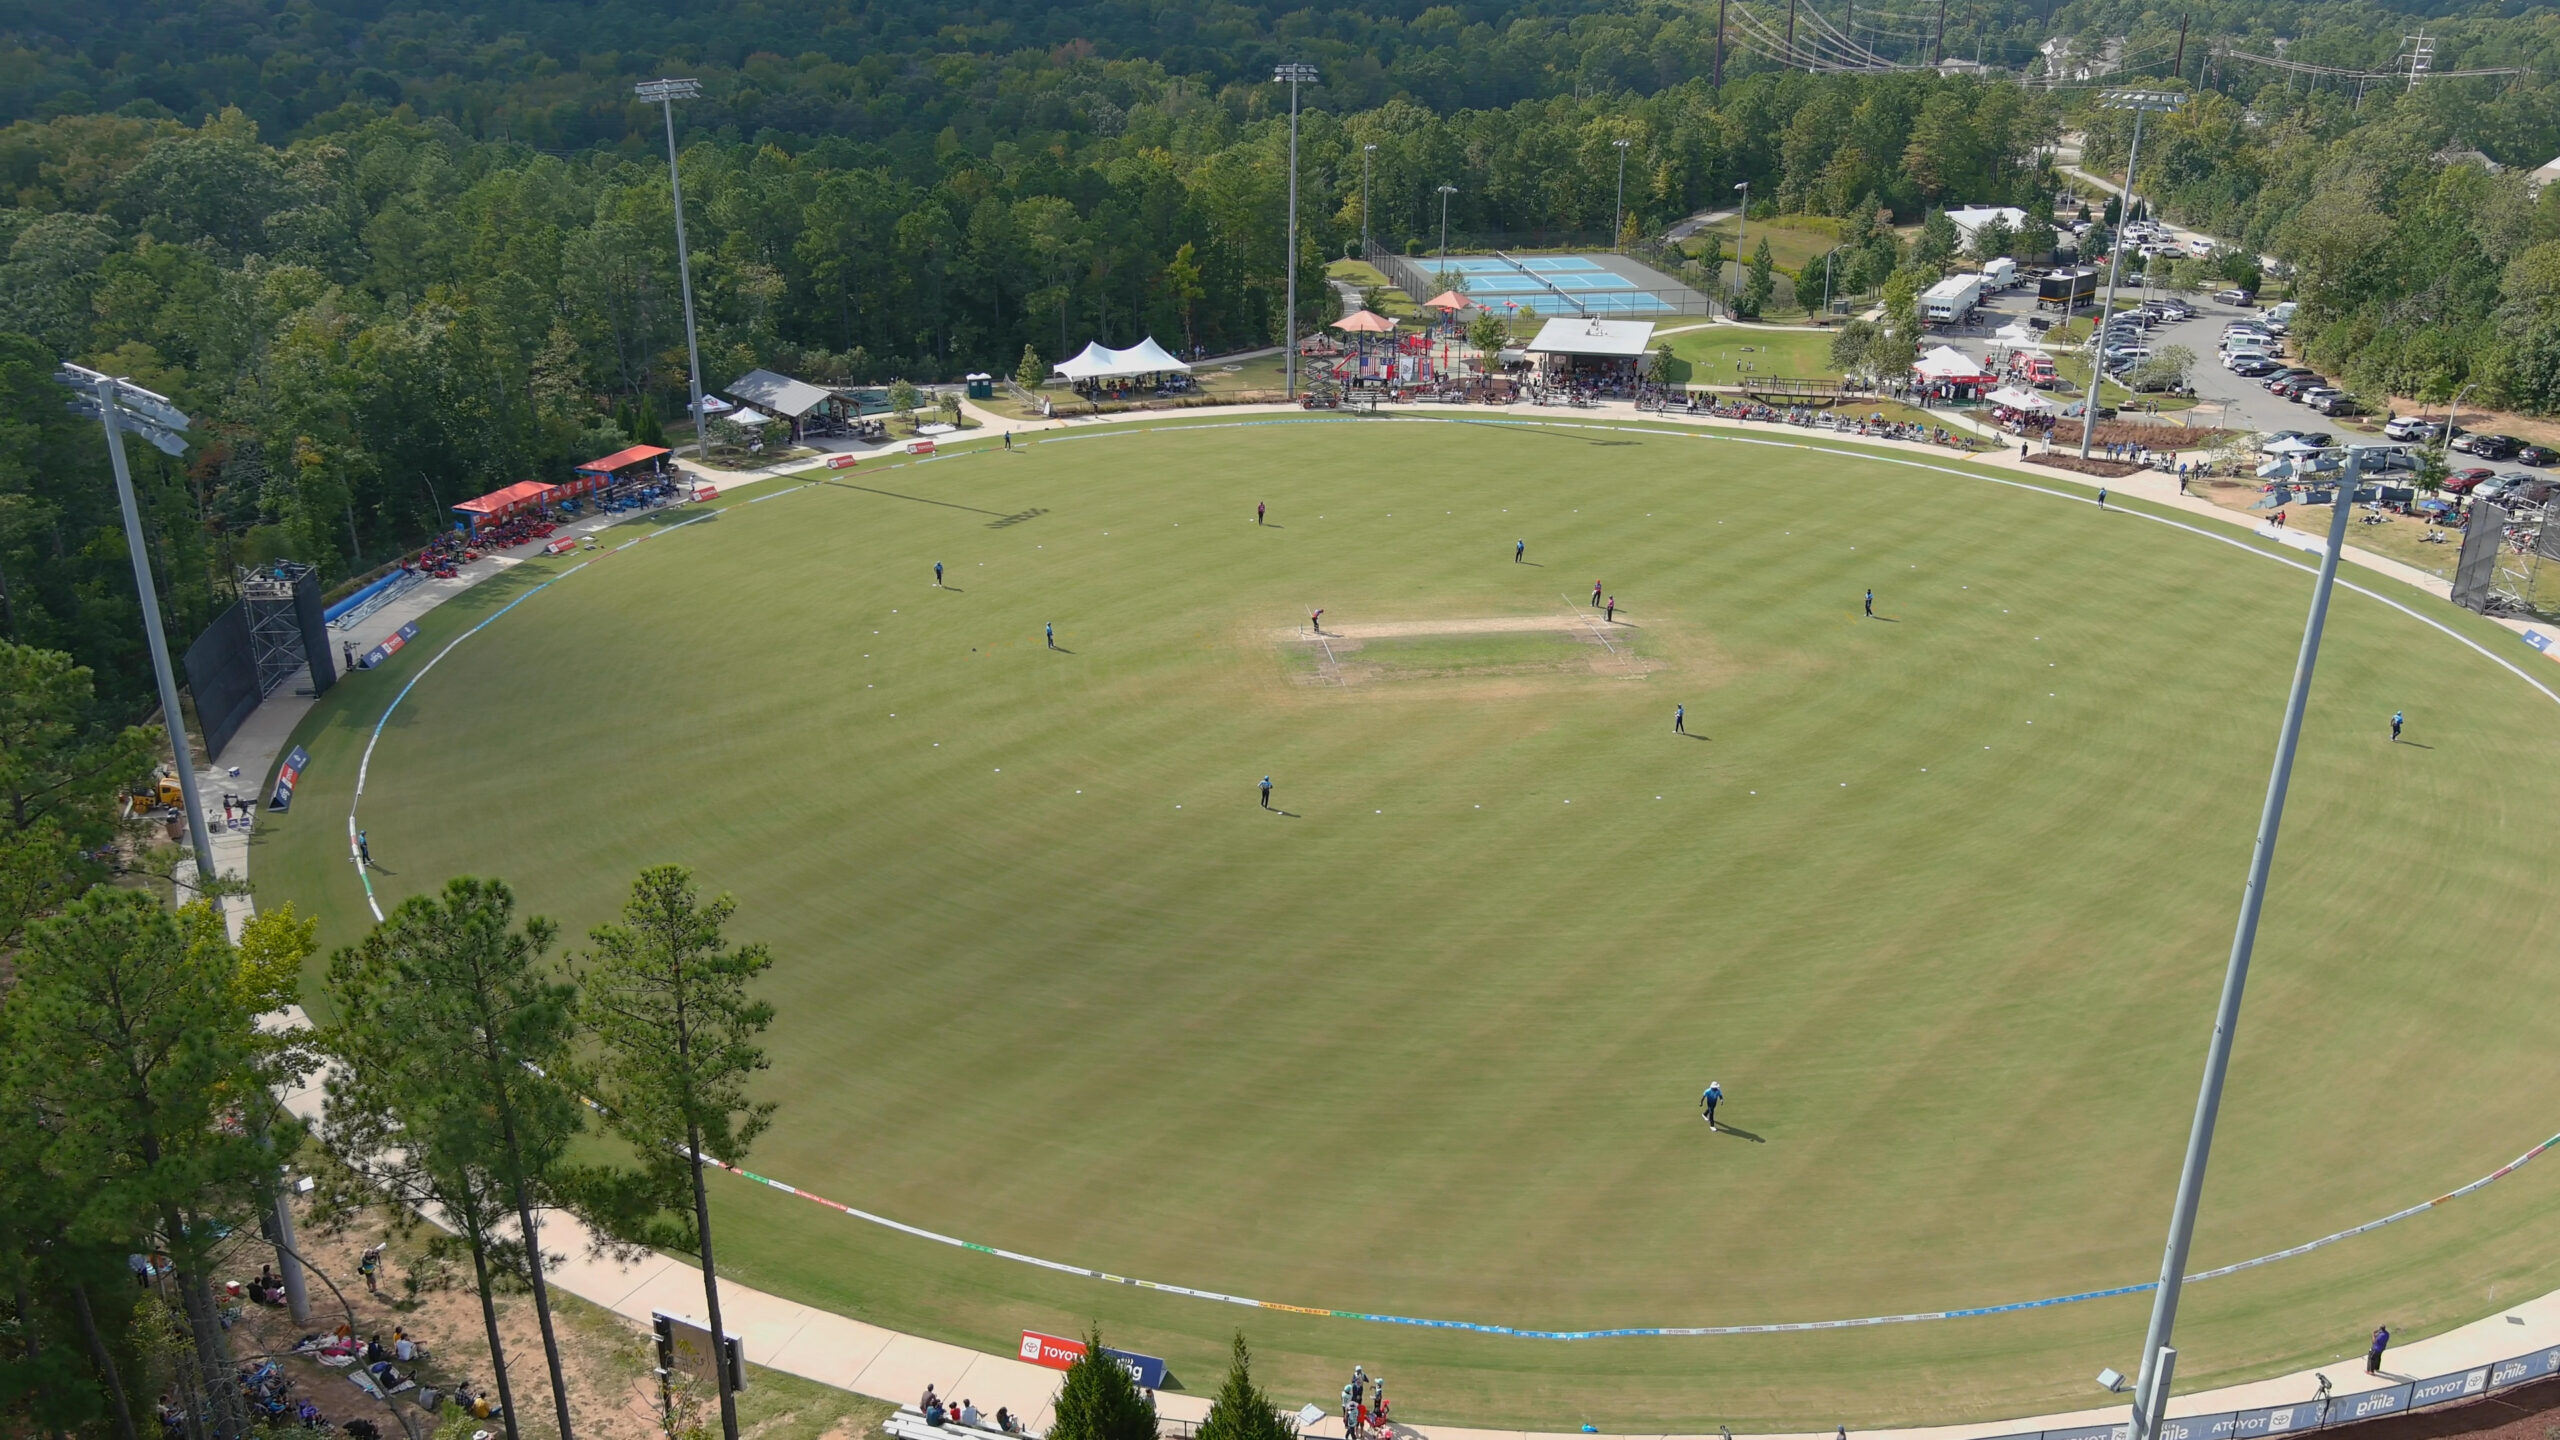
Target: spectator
969, 1413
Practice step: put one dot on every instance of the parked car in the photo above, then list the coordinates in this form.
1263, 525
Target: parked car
2488, 447
2462, 482
2414, 427
2292, 387
2252, 365
2537, 455
2307, 437
2235, 297
2336, 402
2283, 373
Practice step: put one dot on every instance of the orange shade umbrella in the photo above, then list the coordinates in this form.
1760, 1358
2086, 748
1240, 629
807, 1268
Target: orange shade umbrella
1448, 300
1365, 322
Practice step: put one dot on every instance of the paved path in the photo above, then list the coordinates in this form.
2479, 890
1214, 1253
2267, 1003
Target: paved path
851, 1354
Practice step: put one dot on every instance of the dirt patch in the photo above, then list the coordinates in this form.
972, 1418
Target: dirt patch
606, 1360
2107, 469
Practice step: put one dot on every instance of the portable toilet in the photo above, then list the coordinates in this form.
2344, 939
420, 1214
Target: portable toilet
982, 386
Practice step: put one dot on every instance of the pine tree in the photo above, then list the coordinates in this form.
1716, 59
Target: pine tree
646, 428
666, 999
1100, 1401
1241, 1410
1031, 371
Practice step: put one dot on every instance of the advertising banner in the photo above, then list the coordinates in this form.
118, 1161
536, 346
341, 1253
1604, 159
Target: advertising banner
2460, 1385
2195, 1427
2523, 1368
2347, 1408
391, 645
288, 775
1059, 1353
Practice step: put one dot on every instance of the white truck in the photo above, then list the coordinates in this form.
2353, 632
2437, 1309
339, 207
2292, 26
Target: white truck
1950, 301
1998, 274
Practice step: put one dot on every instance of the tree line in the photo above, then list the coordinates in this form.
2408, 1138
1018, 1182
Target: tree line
146, 1141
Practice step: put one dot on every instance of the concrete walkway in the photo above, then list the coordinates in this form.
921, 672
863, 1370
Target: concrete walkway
853, 1355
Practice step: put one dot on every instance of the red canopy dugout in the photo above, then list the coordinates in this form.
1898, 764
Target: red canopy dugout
499, 504
619, 462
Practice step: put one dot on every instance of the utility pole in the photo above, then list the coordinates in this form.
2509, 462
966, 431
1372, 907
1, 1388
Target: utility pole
2141, 103
1445, 192
667, 93
1938, 54
2159, 1358
1294, 75
1791, 36
1719, 80
1619, 226
2178, 67
1849, 25
1365, 152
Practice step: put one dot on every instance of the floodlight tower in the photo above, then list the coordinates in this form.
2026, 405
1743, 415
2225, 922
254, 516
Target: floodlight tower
1445, 192
667, 93
1293, 75
2141, 103
121, 405
1365, 152
1741, 224
1619, 226
2158, 1361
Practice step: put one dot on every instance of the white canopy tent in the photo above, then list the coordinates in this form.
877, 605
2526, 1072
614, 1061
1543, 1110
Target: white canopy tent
2018, 399
1946, 362
1100, 362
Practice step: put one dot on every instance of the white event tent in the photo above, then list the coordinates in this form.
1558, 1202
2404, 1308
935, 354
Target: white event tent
1100, 362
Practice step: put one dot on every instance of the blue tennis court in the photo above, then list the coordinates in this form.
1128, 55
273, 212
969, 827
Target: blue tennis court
1561, 284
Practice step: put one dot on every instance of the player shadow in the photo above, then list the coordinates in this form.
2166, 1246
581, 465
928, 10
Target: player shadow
2414, 745
1287, 814
1724, 1129
1060, 650
1692, 735
1888, 619
1622, 624
378, 868
954, 589
1541, 564
1270, 525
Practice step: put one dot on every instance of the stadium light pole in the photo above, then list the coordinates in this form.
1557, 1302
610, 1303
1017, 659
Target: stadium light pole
121, 405
1294, 75
1365, 152
2141, 103
1445, 192
667, 93
1620, 226
1741, 224
2158, 1360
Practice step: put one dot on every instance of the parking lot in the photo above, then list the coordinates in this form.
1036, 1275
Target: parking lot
2224, 400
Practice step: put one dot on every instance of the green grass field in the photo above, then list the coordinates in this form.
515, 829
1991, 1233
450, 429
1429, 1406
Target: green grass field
1941, 897
1736, 355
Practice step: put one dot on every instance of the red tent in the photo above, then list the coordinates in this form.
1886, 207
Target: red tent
499, 504
621, 460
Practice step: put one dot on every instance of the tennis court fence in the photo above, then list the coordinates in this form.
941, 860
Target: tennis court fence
1582, 285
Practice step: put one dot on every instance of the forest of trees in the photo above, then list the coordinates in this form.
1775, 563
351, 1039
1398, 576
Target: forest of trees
393, 255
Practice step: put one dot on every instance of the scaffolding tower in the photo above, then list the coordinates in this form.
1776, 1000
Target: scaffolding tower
275, 629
